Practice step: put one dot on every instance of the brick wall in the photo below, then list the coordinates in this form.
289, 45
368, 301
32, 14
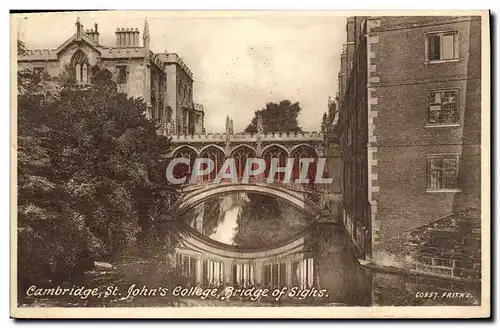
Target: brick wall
403, 140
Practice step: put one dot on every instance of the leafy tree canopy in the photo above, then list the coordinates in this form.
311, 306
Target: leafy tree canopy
21, 48
277, 117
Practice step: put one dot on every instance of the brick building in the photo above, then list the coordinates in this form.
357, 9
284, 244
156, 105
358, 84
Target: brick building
163, 80
409, 103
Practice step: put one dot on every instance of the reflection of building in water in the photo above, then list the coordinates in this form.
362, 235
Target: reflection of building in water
247, 220
230, 206
210, 263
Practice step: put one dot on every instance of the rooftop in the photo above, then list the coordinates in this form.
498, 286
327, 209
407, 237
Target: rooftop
173, 58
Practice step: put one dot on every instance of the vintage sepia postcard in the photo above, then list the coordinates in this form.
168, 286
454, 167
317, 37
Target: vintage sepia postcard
306, 164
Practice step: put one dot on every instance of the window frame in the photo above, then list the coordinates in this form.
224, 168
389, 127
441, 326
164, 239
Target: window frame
80, 66
39, 70
119, 67
456, 46
443, 156
428, 110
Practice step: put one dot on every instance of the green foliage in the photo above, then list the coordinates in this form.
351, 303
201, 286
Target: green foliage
280, 117
90, 176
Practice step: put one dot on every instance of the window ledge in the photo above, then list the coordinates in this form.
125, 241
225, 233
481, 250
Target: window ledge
443, 190
442, 125
441, 61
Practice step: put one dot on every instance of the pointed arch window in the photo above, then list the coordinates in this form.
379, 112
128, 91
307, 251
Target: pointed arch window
271, 153
240, 155
183, 170
304, 152
80, 66
218, 157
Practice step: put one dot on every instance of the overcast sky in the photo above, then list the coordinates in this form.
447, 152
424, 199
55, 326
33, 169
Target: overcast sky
239, 62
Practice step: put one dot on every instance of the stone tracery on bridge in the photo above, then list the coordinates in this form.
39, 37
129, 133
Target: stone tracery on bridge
255, 141
241, 147
265, 145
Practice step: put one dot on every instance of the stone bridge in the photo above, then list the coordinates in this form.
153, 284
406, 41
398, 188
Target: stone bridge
321, 201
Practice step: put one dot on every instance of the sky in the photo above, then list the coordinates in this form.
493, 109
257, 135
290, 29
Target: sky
240, 61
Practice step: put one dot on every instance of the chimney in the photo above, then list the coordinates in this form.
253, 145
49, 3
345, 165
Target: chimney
350, 29
127, 37
93, 34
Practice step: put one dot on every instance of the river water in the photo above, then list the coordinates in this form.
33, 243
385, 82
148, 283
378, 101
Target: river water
251, 242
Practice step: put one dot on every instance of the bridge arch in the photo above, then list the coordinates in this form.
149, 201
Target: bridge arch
299, 200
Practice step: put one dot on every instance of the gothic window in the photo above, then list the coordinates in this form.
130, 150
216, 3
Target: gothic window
282, 156
80, 66
304, 152
182, 170
78, 72
217, 156
240, 155
84, 73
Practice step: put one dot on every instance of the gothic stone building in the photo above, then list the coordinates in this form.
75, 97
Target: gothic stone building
163, 80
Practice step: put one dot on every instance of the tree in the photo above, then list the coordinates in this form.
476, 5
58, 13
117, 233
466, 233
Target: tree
21, 48
90, 176
281, 117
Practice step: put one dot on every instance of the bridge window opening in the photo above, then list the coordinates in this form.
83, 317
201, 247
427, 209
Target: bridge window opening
213, 273
218, 157
304, 152
182, 170
186, 266
240, 156
281, 155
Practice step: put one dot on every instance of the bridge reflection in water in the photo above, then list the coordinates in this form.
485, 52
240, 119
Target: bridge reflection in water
245, 240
